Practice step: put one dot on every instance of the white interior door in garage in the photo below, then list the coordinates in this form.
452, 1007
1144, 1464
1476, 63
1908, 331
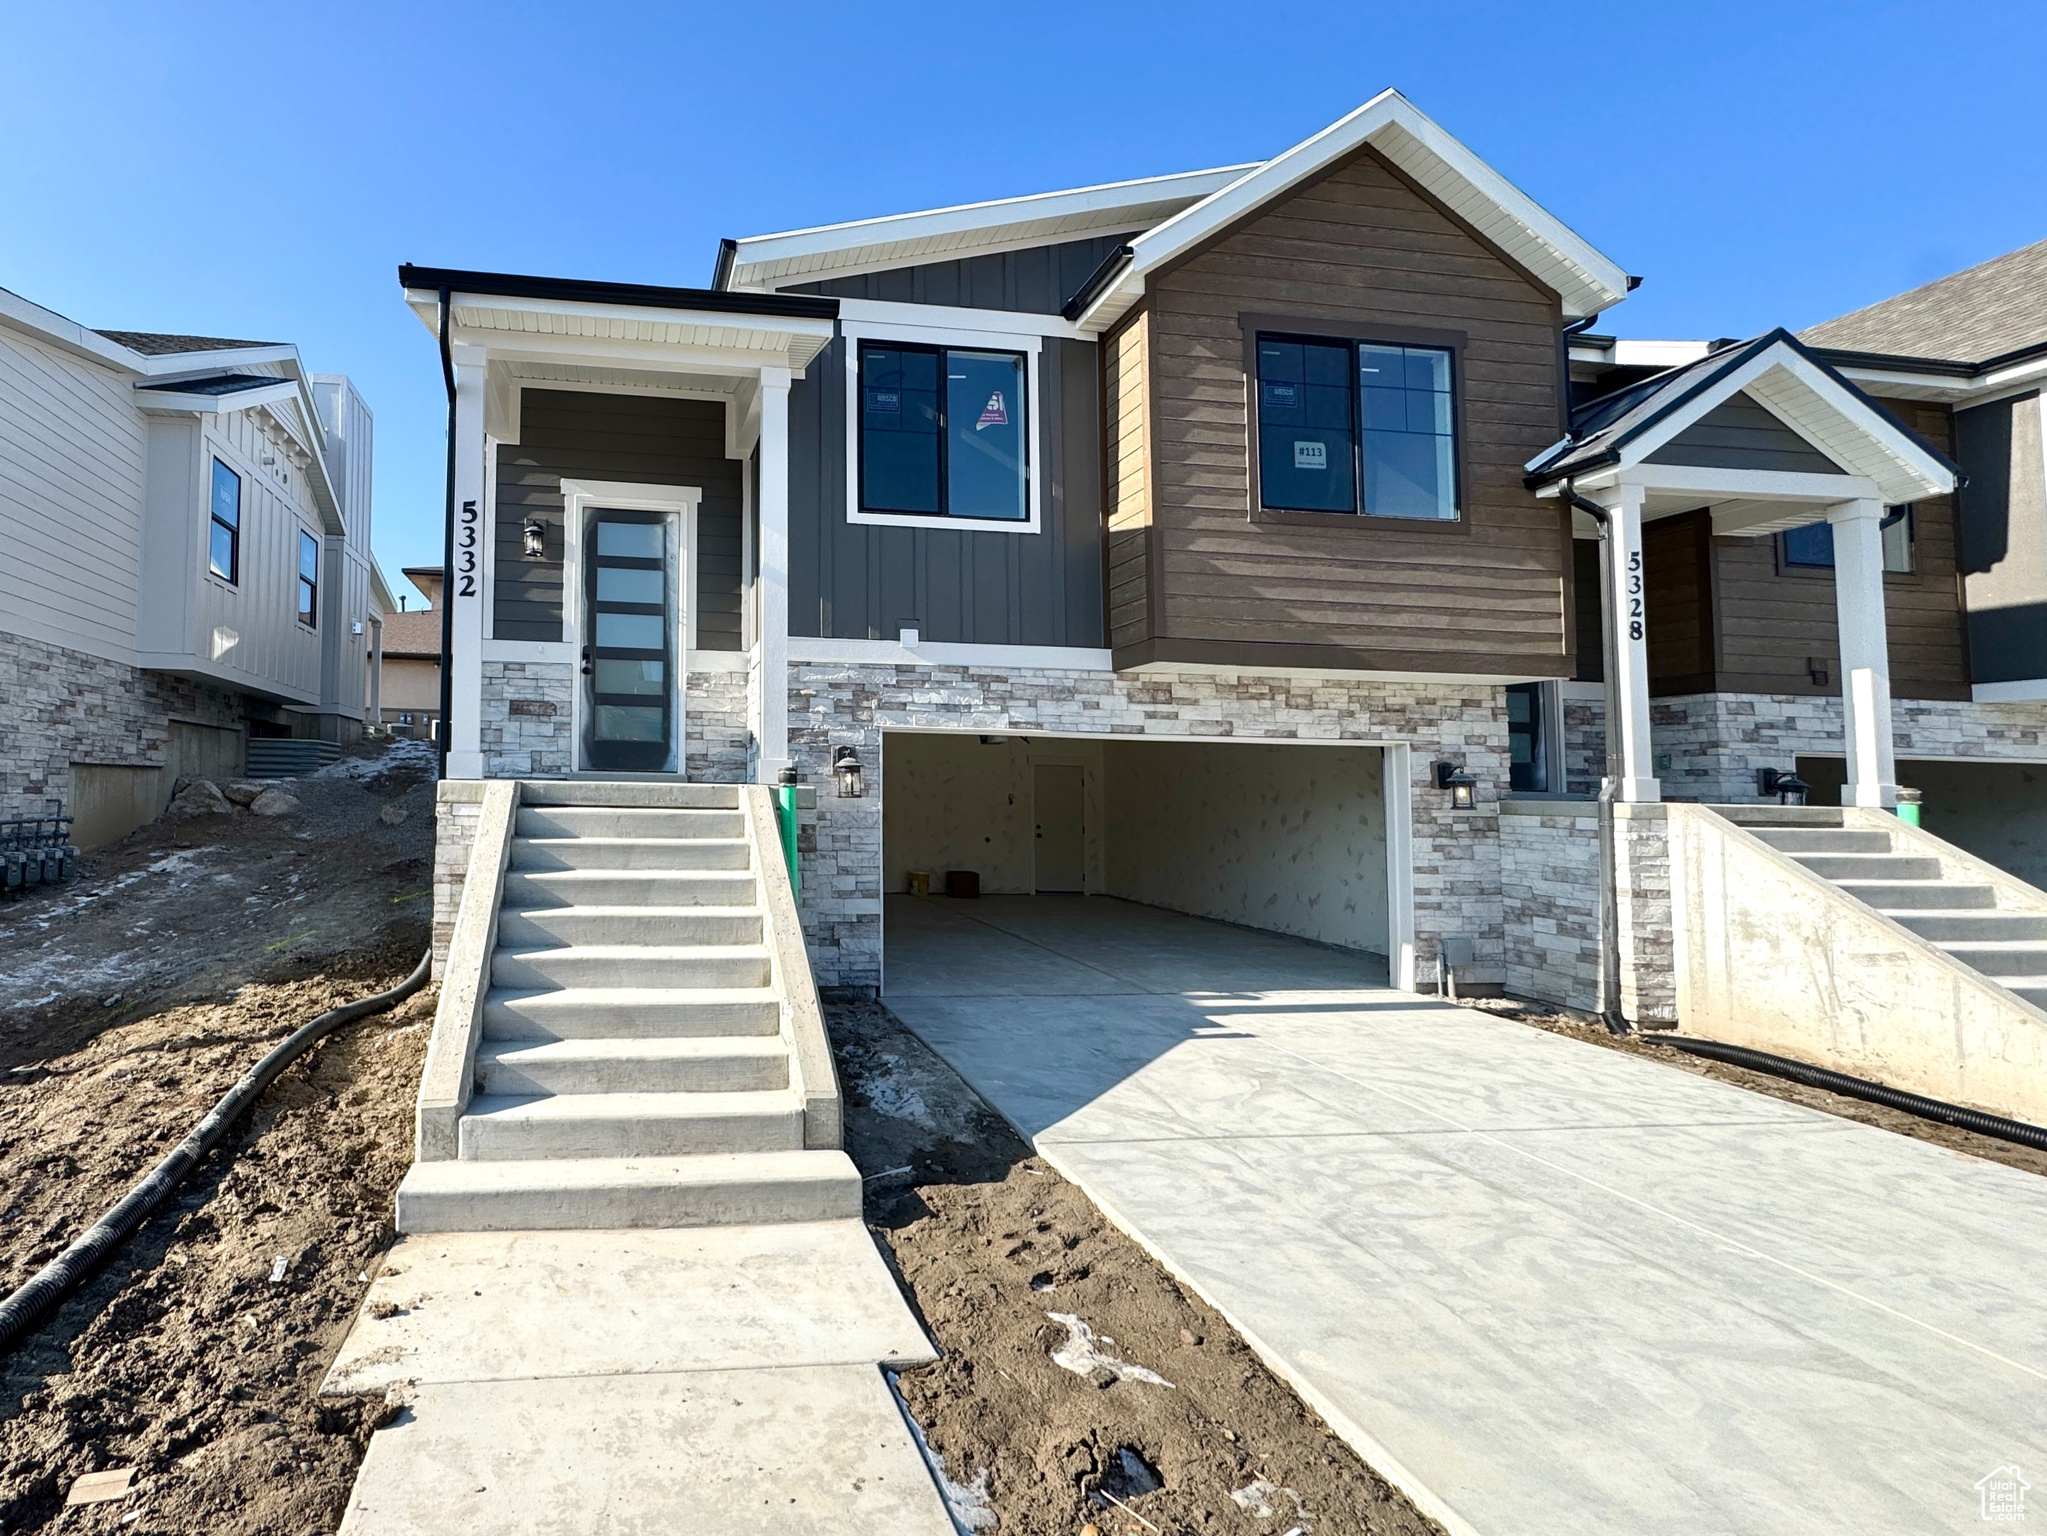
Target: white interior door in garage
1059, 826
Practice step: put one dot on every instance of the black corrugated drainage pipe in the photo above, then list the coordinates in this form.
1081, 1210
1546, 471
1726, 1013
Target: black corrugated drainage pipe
448, 543
70, 1269
1861, 1088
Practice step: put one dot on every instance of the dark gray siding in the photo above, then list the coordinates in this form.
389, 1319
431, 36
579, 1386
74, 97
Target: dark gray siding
1037, 281
1739, 434
645, 439
857, 581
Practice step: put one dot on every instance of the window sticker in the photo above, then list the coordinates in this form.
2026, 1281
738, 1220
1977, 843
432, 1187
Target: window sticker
1310, 455
994, 414
1281, 396
888, 402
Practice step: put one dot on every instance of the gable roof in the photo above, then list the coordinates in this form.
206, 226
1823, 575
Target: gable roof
1786, 378
164, 344
969, 229
1977, 316
1549, 250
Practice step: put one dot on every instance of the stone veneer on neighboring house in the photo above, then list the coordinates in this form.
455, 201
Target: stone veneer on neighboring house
60, 707
1455, 854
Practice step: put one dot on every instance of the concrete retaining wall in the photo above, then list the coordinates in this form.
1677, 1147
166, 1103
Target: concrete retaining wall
1772, 957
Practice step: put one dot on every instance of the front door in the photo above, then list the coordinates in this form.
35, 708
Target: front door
1059, 791
629, 642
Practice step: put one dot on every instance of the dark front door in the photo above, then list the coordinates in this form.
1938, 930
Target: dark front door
629, 650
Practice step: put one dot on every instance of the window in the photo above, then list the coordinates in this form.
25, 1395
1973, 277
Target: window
1812, 547
1528, 753
224, 535
309, 578
943, 432
1357, 427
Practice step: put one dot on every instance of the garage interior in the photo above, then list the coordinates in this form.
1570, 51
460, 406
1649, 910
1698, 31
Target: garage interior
1997, 811
1287, 838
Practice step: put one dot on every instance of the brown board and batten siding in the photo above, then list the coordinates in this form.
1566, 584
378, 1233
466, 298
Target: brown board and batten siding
1776, 621
1126, 459
637, 439
1359, 248
952, 581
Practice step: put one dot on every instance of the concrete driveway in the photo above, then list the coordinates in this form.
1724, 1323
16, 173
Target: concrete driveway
1542, 1286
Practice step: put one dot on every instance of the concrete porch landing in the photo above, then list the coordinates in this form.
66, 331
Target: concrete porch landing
1545, 1287
714, 1379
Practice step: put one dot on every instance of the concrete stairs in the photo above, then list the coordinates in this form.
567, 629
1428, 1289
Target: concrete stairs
1958, 916
631, 1069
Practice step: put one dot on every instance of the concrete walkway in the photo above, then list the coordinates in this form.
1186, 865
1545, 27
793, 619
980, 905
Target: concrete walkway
1544, 1287
723, 1380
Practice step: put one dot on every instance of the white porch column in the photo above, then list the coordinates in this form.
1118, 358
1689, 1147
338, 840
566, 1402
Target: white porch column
465, 583
1865, 652
1627, 621
774, 573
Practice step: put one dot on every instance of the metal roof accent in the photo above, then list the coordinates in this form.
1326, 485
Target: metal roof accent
217, 384
635, 295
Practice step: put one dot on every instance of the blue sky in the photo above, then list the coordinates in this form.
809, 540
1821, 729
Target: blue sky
260, 170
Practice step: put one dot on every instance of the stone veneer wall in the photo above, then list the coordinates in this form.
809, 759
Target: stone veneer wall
717, 740
458, 806
1648, 942
59, 706
1549, 891
528, 726
1455, 854
1708, 746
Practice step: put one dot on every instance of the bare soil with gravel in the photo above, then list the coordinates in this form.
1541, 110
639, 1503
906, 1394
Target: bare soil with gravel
997, 1252
130, 998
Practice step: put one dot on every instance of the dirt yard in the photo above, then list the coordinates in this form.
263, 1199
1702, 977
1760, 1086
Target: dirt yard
1048, 1408
1583, 1027
130, 998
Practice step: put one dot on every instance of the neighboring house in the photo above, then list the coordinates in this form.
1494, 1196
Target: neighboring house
412, 660
1744, 643
1205, 539
188, 520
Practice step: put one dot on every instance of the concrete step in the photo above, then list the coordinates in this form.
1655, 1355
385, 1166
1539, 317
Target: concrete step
1782, 815
716, 887
618, 794
2000, 959
1825, 839
631, 965
625, 822
2032, 988
1948, 925
1895, 896
545, 853
1871, 866
630, 1013
549, 927
716, 1064
590, 1194
572, 1125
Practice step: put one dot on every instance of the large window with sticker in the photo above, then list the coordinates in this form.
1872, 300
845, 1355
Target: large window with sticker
1359, 427
943, 432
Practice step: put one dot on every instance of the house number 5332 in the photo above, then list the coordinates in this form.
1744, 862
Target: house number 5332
465, 558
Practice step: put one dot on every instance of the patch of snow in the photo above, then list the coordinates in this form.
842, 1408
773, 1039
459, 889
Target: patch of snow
966, 1503
405, 754
887, 1093
1083, 1356
1262, 1498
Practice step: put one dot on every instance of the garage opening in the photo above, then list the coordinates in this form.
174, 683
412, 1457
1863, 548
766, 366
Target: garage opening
1997, 811
1286, 838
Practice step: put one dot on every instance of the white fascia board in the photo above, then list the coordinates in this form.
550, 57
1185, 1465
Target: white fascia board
1587, 281
1817, 490
2024, 691
165, 401
19, 314
1659, 354
812, 651
947, 317
170, 365
1859, 438
654, 356
380, 589
830, 247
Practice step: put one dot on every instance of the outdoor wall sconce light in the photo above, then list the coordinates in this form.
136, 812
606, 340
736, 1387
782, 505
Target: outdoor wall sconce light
1460, 784
846, 769
535, 535
1789, 788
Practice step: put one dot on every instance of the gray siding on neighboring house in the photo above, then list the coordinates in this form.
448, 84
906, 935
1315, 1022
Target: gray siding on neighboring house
1740, 434
858, 581
641, 439
1037, 281
2003, 517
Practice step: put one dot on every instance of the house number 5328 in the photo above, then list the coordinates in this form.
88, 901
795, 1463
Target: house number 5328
1634, 594
465, 559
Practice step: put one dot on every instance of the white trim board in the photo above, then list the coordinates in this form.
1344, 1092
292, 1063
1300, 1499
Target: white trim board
807, 650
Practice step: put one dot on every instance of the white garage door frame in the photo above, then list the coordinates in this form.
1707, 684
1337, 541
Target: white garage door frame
1396, 791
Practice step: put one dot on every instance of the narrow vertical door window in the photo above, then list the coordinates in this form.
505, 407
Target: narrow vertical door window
629, 650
